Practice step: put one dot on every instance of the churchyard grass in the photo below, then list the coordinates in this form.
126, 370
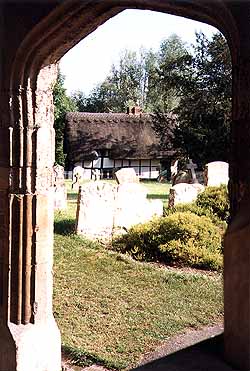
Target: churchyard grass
111, 309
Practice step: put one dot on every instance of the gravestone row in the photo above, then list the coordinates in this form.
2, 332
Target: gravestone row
186, 186
105, 209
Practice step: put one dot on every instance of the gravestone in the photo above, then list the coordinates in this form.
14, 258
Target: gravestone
191, 166
60, 192
174, 169
126, 175
78, 173
184, 193
105, 209
95, 210
133, 207
216, 173
95, 174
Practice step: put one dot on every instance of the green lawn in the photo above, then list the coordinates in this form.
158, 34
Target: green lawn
111, 310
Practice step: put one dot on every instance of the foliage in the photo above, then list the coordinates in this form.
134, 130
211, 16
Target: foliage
182, 238
135, 80
164, 126
204, 109
80, 100
198, 210
216, 200
62, 104
164, 97
125, 85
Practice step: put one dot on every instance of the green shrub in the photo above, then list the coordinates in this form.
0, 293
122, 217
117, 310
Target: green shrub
216, 200
182, 238
198, 210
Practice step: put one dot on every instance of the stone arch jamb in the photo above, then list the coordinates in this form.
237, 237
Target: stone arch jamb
25, 306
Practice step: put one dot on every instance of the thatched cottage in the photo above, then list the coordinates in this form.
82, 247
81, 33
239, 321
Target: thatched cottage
110, 141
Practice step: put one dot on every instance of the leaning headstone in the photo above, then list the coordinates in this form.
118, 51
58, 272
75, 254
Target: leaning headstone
60, 192
126, 175
216, 173
95, 210
184, 193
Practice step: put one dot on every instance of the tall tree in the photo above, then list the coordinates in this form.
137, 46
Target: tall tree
163, 96
126, 84
62, 104
204, 111
202, 82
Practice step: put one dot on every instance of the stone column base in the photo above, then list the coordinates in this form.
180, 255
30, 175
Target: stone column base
237, 291
30, 347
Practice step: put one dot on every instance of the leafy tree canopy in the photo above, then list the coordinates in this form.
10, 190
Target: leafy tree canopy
62, 105
204, 109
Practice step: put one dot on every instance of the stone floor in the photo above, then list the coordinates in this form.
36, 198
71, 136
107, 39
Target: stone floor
195, 350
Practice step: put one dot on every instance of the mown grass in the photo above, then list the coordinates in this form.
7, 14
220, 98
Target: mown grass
111, 310
157, 190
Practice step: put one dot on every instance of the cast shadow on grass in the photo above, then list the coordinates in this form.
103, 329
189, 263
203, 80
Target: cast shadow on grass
152, 196
72, 196
64, 227
82, 358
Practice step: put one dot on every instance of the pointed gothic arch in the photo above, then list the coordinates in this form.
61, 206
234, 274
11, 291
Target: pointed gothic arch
29, 57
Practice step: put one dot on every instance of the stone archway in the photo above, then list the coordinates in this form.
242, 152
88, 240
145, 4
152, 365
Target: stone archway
29, 338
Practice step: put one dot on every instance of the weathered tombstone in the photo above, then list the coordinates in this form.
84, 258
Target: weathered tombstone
60, 192
133, 207
107, 209
95, 210
126, 175
216, 173
174, 169
184, 193
78, 172
95, 174
191, 166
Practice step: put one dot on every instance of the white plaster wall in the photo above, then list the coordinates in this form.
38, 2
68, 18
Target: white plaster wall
108, 163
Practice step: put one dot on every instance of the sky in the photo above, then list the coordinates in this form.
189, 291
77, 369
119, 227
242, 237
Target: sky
89, 62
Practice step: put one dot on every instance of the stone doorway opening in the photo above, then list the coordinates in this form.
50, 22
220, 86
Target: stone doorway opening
43, 36
110, 41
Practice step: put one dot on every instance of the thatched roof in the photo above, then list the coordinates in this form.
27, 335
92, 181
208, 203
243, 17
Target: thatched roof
126, 136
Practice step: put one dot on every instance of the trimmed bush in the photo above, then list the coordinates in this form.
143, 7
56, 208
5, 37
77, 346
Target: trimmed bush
216, 200
182, 238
